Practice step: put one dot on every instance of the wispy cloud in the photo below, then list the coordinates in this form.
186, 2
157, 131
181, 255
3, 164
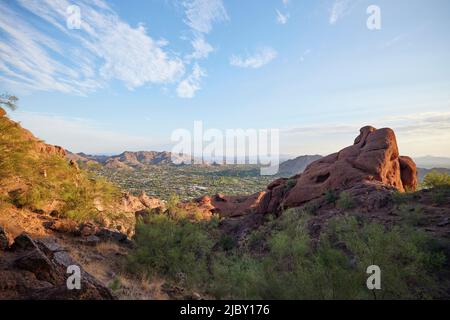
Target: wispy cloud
189, 86
282, 18
105, 48
340, 9
201, 14
260, 58
201, 47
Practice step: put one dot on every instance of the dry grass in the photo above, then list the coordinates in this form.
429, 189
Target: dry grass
130, 287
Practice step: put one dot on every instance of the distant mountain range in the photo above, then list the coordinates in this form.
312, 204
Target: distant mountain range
288, 168
294, 166
429, 162
129, 159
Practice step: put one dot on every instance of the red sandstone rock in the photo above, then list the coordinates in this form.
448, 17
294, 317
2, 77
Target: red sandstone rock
372, 159
408, 173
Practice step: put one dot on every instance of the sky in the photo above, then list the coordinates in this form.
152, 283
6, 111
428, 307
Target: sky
134, 71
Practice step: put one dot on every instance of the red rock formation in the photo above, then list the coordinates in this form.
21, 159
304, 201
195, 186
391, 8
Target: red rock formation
408, 173
373, 159
231, 206
374, 156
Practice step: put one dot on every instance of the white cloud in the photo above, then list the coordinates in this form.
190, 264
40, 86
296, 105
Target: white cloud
282, 18
201, 14
200, 17
286, 2
202, 48
189, 86
81, 135
260, 58
105, 48
340, 9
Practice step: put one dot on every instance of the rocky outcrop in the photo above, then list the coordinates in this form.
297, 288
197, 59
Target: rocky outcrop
374, 156
51, 149
38, 269
372, 159
408, 173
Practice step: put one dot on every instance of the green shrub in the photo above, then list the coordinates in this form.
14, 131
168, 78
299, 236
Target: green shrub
440, 196
171, 248
282, 261
345, 201
435, 179
330, 196
292, 269
115, 284
405, 256
289, 185
227, 242
411, 215
402, 197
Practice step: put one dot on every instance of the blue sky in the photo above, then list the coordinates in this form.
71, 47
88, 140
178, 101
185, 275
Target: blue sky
137, 70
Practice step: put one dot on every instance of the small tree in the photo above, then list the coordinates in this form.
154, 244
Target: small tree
8, 101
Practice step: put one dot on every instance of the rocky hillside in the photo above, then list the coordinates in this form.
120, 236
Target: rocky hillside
50, 210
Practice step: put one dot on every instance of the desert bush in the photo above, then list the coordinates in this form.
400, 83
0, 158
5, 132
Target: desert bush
336, 268
282, 261
410, 214
405, 256
227, 242
289, 185
331, 196
440, 196
345, 201
437, 180
402, 197
171, 248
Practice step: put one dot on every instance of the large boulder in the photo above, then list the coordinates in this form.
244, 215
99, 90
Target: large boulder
373, 159
37, 269
374, 156
408, 173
